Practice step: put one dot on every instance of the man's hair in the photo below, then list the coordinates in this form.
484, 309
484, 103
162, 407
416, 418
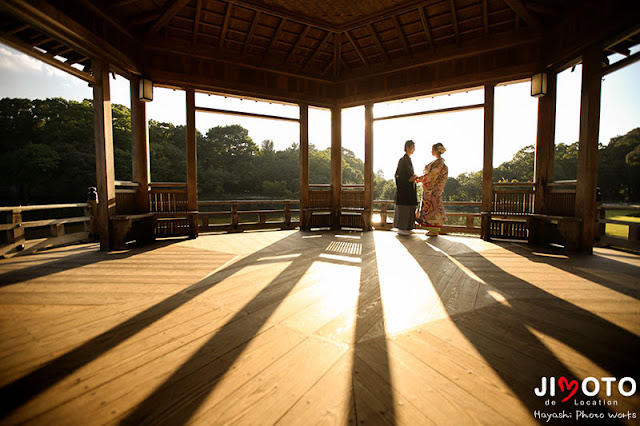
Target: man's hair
409, 144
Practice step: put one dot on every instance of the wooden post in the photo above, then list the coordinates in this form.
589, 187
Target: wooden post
487, 164
140, 147
192, 177
368, 166
103, 134
304, 166
336, 164
545, 144
588, 146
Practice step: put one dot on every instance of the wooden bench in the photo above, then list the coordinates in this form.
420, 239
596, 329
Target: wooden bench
550, 229
128, 227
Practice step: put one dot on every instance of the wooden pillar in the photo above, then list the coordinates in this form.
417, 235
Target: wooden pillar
588, 146
368, 166
336, 164
140, 147
192, 177
487, 163
103, 134
545, 142
304, 165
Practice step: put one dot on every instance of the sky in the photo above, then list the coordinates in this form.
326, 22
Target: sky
461, 132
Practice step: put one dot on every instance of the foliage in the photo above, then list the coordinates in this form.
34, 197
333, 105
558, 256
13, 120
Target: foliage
48, 152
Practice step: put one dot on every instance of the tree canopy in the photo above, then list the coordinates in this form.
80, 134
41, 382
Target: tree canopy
48, 151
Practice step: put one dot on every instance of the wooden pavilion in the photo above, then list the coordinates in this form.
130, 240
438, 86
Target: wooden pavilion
335, 54
296, 327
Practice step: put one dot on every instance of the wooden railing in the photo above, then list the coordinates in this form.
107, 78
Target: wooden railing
21, 237
168, 197
235, 218
560, 198
611, 232
512, 199
383, 216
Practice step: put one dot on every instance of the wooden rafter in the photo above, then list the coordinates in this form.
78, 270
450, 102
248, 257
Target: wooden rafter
485, 18
276, 36
321, 46
118, 3
376, 40
196, 22
426, 27
521, 11
225, 25
107, 17
337, 54
254, 24
401, 36
297, 44
358, 49
45, 57
18, 29
165, 17
454, 19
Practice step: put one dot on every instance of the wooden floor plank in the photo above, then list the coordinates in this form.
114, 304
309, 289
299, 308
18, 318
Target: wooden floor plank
317, 328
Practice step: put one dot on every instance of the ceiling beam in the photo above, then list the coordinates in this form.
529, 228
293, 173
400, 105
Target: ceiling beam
376, 40
522, 12
426, 27
485, 19
358, 50
254, 24
107, 17
196, 22
303, 34
454, 19
276, 36
318, 50
403, 40
225, 25
337, 54
169, 12
118, 3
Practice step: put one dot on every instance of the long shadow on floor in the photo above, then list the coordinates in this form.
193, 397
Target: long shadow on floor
19, 392
370, 404
508, 334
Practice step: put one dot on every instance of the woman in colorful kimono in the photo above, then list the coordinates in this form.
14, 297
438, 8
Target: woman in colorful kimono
431, 213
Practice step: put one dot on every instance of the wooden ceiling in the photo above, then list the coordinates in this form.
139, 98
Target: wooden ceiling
308, 49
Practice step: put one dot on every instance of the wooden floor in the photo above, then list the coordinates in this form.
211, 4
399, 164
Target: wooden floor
289, 327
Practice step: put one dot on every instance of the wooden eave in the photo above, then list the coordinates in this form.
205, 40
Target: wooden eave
279, 50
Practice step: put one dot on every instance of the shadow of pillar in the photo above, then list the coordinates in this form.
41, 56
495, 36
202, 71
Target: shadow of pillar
502, 333
372, 400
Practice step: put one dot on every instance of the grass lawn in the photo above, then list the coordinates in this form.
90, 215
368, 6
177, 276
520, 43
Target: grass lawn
616, 230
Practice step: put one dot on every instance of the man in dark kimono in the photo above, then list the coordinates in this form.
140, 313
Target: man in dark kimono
406, 197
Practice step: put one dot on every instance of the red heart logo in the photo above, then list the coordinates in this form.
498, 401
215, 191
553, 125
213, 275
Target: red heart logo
565, 384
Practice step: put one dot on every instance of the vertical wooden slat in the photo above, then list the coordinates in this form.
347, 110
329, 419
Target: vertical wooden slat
304, 165
368, 166
336, 163
192, 176
545, 146
487, 164
588, 146
103, 133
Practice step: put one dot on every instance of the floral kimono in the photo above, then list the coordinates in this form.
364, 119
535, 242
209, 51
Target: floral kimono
431, 213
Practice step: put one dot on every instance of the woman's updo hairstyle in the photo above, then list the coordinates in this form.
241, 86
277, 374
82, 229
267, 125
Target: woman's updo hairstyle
439, 147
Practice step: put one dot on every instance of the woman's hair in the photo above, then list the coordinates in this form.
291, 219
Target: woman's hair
409, 144
439, 147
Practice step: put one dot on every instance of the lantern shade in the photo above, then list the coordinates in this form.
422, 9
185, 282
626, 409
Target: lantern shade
146, 90
539, 84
